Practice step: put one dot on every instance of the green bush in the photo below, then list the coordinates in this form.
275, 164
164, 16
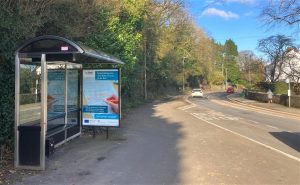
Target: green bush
277, 87
6, 104
281, 88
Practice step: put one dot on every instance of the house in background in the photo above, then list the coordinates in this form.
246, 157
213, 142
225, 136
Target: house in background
289, 68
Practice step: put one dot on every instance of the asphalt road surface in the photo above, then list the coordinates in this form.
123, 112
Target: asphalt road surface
206, 141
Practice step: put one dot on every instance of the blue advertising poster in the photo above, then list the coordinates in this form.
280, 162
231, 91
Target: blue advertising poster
100, 106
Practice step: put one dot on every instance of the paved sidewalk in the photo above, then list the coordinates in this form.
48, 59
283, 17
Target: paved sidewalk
272, 106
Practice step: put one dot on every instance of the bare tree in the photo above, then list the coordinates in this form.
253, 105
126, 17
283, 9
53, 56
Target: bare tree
275, 48
281, 12
251, 67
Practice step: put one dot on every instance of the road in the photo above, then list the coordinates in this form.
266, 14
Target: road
30, 112
255, 123
206, 141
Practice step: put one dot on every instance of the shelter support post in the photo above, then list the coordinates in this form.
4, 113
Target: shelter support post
17, 108
43, 109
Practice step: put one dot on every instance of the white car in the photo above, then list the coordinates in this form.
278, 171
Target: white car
197, 93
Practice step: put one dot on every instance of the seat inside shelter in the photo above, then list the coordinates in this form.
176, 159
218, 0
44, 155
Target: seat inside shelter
48, 95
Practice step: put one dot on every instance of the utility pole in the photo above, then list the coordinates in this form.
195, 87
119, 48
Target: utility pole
249, 76
225, 78
145, 71
223, 74
222, 68
289, 94
183, 80
249, 68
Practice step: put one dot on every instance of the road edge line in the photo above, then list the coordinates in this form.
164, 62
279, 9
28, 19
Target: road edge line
245, 137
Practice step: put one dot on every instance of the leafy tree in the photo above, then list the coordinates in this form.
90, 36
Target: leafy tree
19, 20
216, 78
119, 33
159, 34
230, 48
230, 61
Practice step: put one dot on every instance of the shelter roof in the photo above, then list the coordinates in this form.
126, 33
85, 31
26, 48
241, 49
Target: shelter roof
62, 49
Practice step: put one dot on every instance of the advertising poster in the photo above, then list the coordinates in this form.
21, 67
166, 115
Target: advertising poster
100, 106
56, 91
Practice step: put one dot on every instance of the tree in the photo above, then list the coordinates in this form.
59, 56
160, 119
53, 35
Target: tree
230, 62
230, 48
157, 33
275, 48
19, 20
216, 78
281, 12
251, 67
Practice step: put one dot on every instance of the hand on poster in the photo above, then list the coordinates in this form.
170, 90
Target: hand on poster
50, 101
113, 102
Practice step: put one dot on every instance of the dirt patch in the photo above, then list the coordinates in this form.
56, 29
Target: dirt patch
8, 174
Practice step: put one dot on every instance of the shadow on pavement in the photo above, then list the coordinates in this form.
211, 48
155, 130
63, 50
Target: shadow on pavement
292, 139
145, 150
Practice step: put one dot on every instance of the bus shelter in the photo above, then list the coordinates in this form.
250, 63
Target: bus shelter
48, 95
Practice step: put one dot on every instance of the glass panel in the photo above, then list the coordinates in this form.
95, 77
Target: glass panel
73, 118
73, 96
73, 89
56, 95
30, 96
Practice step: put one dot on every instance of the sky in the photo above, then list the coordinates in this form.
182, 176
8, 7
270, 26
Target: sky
238, 20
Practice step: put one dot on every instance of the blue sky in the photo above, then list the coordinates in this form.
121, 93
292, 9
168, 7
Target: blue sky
236, 19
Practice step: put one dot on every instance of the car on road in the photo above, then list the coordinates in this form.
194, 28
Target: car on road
230, 90
197, 93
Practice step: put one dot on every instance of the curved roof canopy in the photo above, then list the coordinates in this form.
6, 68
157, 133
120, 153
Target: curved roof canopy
61, 49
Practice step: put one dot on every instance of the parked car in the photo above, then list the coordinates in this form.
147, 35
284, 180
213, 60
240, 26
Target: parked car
197, 93
230, 90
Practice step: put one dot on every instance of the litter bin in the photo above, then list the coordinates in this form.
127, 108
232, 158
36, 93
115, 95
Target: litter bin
29, 144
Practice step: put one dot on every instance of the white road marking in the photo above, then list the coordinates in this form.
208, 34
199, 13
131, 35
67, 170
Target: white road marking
213, 115
245, 137
254, 122
272, 127
256, 126
187, 107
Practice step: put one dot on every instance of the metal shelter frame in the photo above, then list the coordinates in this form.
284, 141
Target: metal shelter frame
41, 51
